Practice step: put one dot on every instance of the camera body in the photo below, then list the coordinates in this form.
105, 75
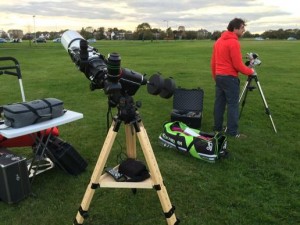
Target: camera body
252, 60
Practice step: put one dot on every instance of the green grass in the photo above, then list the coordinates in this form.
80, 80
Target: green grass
258, 184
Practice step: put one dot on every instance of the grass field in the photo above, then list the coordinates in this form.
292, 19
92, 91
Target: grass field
257, 184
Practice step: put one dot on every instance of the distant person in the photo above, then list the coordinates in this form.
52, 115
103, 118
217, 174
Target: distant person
226, 63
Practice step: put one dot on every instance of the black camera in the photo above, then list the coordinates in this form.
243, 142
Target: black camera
252, 60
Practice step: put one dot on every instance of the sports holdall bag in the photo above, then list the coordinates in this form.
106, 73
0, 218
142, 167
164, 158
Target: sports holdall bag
26, 113
201, 145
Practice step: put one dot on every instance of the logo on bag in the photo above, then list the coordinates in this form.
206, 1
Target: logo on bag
173, 141
18, 178
209, 146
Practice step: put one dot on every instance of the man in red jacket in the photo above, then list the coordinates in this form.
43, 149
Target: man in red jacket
226, 63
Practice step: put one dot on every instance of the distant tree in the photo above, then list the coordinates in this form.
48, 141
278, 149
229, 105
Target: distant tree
247, 34
203, 34
54, 34
176, 34
3, 35
162, 35
143, 26
86, 34
191, 35
89, 29
15, 33
143, 32
156, 32
215, 35
128, 35
100, 33
297, 34
281, 34
170, 34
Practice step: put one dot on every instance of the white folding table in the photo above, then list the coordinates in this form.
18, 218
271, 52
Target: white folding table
8, 132
68, 117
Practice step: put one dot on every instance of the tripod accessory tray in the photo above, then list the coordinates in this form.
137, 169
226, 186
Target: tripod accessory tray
188, 106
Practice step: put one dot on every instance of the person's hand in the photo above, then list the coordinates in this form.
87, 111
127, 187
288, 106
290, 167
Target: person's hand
254, 73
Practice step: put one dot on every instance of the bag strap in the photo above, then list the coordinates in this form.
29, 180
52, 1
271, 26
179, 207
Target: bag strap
190, 145
49, 105
36, 112
32, 110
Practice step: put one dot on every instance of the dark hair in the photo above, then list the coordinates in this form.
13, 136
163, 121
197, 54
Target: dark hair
236, 23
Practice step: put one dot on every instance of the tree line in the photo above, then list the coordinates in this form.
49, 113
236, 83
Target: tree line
145, 32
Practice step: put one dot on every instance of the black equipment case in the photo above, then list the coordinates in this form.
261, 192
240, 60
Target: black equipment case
188, 106
14, 178
65, 156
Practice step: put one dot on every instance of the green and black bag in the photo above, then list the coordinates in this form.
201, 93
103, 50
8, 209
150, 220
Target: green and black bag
199, 144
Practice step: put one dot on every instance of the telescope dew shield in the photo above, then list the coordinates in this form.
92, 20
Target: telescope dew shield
71, 39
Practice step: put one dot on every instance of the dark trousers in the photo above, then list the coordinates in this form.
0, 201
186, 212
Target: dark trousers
227, 93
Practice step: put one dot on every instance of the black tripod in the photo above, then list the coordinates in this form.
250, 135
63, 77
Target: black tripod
244, 93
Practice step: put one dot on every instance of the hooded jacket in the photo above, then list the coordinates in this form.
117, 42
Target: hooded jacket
227, 58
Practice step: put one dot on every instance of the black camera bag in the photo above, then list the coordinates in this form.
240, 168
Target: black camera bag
65, 156
134, 170
22, 114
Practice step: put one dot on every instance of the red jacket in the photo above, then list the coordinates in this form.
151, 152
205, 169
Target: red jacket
227, 58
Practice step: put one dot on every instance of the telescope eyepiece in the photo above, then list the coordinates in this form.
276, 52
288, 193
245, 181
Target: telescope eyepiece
114, 65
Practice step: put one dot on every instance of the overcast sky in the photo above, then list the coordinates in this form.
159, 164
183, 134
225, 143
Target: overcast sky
46, 15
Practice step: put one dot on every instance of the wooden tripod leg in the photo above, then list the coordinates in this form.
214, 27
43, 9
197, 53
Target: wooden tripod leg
167, 207
94, 182
130, 141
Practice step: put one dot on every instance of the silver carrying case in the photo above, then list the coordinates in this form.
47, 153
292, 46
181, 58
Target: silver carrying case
27, 113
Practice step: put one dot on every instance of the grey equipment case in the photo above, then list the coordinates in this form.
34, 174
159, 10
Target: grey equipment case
26, 113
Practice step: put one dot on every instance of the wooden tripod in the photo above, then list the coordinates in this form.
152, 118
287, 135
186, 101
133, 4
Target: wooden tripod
155, 181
